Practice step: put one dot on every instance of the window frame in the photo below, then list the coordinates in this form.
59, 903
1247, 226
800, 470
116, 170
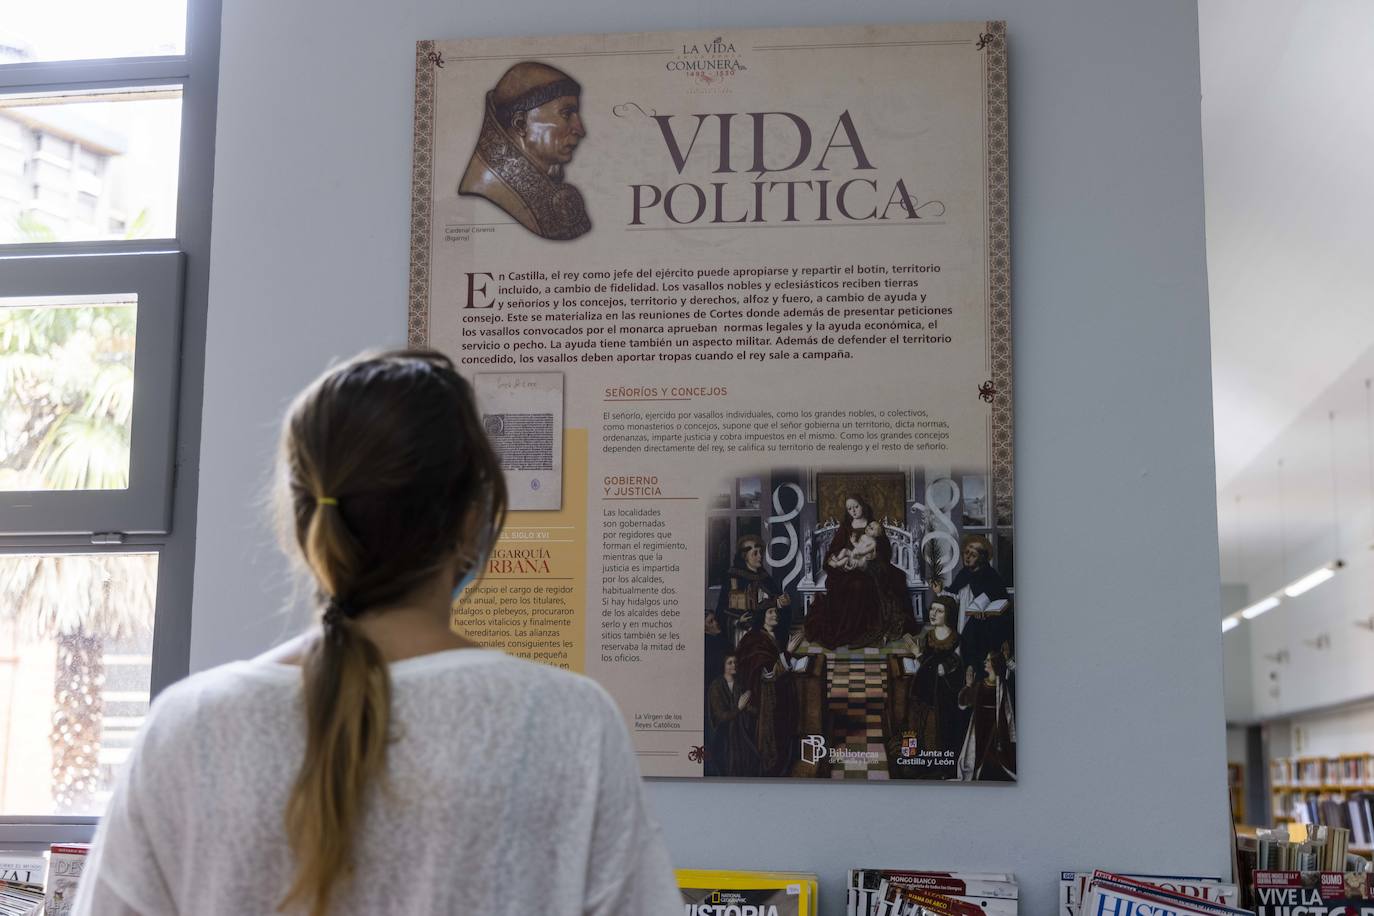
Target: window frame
36, 834
145, 506
197, 73
38, 831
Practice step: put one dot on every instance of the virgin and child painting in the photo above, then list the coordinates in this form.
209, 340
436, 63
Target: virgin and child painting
859, 625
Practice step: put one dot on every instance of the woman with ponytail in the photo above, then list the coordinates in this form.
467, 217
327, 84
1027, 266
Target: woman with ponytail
380, 763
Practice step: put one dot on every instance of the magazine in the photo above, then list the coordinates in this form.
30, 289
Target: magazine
65, 862
868, 889
1313, 893
746, 893
1073, 884
18, 899
908, 901
22, 867
968, 885
1109, 894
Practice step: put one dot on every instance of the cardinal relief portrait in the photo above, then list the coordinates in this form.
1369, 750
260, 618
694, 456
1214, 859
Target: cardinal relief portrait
530, 132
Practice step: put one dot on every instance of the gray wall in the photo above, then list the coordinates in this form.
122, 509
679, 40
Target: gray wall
1236, 663
1122, 742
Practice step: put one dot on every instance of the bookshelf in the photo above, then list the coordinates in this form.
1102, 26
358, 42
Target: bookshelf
1326, 790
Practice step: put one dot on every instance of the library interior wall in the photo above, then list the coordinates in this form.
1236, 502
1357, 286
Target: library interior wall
1306, 499
1304, 494
1120, 722
1348, 730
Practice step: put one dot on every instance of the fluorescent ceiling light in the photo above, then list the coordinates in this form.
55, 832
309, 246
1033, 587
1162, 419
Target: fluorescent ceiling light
1229, 623
1310, 581
1259, 607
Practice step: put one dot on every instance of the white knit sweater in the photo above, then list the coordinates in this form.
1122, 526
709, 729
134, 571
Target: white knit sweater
511, 788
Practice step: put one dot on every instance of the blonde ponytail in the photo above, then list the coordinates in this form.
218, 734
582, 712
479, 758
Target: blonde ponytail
347, 706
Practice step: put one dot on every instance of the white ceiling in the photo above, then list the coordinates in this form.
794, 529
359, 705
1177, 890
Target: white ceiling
1288, 137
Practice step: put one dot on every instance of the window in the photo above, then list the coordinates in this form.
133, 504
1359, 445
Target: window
90, 162
75, 669
107, 115
135, 130
53, 147
86, 204
55, 30
68, 390
88, 358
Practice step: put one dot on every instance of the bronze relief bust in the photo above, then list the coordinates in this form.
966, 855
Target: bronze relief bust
530, 131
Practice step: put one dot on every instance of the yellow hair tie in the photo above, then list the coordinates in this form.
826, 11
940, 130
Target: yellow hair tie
326, 501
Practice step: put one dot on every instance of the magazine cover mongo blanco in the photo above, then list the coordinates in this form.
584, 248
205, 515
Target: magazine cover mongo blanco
746, 298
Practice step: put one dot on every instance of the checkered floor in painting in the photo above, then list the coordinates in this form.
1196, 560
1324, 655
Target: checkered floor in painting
855, 691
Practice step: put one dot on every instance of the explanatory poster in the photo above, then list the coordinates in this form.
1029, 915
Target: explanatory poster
736, 309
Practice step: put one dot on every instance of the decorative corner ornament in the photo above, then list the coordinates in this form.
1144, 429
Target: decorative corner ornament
625, 109
436, 58
697, 754
984, 40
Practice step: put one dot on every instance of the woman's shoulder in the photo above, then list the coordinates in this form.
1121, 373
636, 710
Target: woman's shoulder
233, 691
504, 678
485, 664
212, 706
230, 683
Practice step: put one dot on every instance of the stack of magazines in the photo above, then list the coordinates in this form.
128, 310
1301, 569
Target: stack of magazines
1073, 886
1108, 894
747, 893
20, 899
21, 883
897, 892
